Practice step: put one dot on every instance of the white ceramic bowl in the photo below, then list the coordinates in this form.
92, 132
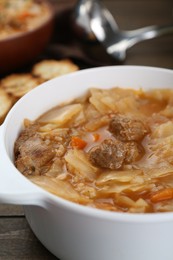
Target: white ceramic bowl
68, 230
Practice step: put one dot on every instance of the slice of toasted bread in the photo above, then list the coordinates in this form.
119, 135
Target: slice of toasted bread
19, 84
6, 102
48, 69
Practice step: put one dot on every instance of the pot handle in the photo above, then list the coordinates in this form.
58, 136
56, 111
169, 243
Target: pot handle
14, 187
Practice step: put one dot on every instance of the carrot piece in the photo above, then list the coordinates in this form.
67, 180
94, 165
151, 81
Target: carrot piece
78, 142
161, 195
96, 137
24, 15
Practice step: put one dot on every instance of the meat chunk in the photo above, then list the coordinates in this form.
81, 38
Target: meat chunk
134, 152
33, 156
113, 154
127, 129
24, 135
109, 154
35, 152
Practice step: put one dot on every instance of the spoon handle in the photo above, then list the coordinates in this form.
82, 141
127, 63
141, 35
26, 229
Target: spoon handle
147, 33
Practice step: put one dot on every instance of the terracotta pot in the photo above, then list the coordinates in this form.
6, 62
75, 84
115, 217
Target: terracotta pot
21, 49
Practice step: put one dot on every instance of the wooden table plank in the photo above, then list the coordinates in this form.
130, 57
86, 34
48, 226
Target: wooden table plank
11, 210
17, 241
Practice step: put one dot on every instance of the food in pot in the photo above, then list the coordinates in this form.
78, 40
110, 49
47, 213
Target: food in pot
110, 149
21, 16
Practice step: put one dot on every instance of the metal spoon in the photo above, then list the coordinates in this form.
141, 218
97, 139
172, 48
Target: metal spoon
84, 11
96, 22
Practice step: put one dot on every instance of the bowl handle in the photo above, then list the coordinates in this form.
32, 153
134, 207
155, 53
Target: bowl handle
14, 187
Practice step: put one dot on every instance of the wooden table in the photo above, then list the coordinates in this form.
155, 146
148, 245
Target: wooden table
16, 239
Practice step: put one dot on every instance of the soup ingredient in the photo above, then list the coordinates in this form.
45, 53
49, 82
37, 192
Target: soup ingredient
78, 142
34, 151
109, 154
161, 195
113, 154
126, 128
33, 154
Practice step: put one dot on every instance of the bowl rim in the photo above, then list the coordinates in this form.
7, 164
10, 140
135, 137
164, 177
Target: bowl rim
85, 210
20, 35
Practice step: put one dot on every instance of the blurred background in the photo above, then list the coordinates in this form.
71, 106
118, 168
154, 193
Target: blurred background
129, 15
16, 239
